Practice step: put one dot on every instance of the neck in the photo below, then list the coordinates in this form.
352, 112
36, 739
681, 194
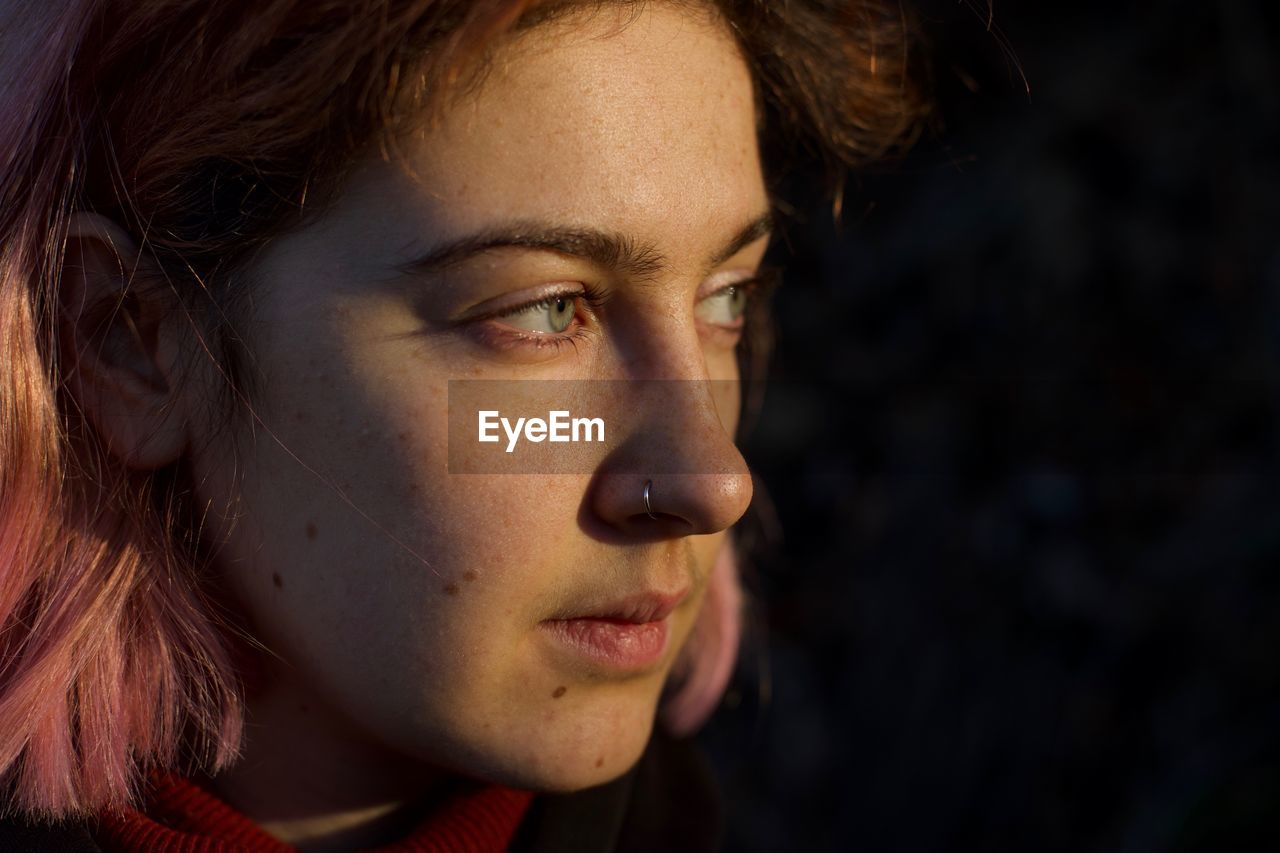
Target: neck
307, 777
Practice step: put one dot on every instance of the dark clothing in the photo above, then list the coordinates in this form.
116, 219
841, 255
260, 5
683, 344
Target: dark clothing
669, 801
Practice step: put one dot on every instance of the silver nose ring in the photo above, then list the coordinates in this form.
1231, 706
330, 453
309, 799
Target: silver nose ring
648, 507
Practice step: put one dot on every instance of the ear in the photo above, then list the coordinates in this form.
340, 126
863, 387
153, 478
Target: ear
116, 339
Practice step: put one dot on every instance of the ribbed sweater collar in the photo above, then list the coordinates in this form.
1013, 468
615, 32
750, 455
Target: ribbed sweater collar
181, 817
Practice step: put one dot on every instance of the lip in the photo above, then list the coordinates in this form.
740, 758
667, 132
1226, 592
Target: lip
625, 636
649, 606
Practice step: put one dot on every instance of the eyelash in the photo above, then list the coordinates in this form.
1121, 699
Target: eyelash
511, 337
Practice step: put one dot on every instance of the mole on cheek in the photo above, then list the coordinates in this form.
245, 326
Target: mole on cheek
469, 575
275, 579
560, 691
599, 761
451, 589
311, 530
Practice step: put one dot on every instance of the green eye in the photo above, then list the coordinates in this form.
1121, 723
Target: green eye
725, 307
551, 316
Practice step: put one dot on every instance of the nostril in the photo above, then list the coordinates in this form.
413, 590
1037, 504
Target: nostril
652, 507
693, 503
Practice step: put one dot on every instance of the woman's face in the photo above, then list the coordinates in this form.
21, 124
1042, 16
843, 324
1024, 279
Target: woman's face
408, 606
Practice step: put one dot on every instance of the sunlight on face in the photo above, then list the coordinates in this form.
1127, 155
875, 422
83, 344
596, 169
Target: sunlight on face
584, 214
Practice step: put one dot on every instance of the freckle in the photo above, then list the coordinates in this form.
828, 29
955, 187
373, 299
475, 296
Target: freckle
413, 488
599, 762
404, 436
275, 579
311, 530
451, 589
469, 575
560, 691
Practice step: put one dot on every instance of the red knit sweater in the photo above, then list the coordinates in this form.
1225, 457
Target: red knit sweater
181, 817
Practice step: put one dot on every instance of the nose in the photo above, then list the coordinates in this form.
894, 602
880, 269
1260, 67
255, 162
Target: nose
682, 504
698, 482
680, 437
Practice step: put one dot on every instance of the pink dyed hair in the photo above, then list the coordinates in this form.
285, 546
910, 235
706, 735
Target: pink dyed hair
113, 657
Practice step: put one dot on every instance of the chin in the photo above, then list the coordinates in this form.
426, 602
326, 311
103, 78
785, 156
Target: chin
588, 767
571, 749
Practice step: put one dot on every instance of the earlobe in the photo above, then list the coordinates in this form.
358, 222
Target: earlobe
117, 344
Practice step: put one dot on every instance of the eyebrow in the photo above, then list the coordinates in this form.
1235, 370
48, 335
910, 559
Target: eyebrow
607, 249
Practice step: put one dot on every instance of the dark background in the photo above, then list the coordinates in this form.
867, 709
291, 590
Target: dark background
1021, 446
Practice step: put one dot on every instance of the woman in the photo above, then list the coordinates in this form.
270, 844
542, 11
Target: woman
248, 601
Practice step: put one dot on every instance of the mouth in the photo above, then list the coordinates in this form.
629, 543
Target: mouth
628, 635
648, 606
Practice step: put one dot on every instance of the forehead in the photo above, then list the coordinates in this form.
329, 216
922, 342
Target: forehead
635, 120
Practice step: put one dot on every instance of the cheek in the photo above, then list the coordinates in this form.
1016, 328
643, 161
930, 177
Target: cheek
351, 526
377, 611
